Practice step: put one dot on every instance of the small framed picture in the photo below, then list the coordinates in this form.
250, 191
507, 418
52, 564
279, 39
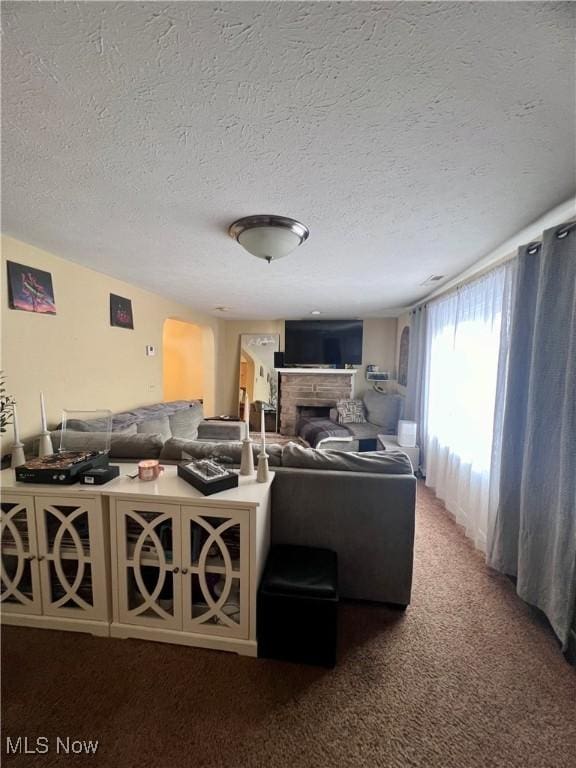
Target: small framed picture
30, 289
121, 312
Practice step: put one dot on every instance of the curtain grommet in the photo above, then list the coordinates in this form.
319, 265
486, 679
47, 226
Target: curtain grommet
565, 230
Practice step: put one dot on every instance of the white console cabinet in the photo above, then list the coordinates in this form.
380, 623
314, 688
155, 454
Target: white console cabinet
54, 560
186, 567
180, 567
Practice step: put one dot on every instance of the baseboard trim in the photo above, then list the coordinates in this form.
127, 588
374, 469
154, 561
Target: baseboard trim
98, 628
211, 642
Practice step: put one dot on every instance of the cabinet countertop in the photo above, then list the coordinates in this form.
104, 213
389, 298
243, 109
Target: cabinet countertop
168, 487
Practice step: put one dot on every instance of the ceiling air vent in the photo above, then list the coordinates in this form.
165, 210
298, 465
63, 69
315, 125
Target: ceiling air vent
432, 279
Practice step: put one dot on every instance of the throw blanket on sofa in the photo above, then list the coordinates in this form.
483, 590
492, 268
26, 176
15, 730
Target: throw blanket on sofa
317, 430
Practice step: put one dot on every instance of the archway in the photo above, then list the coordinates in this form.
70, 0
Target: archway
187, 362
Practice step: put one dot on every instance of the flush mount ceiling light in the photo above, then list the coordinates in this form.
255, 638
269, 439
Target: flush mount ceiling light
315, 312
269, 237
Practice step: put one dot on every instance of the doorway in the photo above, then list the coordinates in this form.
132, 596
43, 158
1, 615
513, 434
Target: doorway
184, 361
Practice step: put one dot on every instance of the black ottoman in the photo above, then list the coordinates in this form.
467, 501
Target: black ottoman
298, 605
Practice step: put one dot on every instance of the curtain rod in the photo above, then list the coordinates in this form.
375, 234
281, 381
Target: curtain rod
507, 250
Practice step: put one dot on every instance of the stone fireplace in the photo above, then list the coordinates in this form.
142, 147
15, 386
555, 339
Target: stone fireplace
310, 388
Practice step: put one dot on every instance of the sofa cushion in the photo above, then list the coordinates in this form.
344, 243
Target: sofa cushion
230, 452
177, 405
81, 438
121, 421
375, 462
156, 425
383, 410
364, 431
154, 408
140, 446
350, 412
184, 422
123, 445
216, 431
79, 425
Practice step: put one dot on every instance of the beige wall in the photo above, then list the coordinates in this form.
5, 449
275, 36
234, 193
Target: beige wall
75, 357
378, 348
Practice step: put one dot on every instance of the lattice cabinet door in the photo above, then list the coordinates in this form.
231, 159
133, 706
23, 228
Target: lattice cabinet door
215, 571
72, 557
148, 550
20, 577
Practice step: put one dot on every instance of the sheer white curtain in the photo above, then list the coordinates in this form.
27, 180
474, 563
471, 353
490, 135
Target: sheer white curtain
464, 355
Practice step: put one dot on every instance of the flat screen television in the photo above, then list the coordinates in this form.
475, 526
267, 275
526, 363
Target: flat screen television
323, 342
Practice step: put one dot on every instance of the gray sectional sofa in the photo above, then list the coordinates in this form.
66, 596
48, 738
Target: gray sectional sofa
143, 432
382, 412
361, 505
177, 418
140, 433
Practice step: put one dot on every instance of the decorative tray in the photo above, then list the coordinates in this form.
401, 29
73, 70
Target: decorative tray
207, 476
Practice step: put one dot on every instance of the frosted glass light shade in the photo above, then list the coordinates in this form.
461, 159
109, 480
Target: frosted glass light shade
269, 242
268, 237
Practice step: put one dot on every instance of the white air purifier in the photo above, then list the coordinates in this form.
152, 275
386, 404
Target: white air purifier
406, 433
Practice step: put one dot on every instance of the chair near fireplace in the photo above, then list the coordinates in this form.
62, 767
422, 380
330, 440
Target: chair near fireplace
270, 416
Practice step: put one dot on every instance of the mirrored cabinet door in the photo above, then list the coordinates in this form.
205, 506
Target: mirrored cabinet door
71, 557
20, 578
215, 571
149, 585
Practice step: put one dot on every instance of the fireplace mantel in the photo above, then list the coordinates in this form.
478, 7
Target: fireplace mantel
349, 371
311, 387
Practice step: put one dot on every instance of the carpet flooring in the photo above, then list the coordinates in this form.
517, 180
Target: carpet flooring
468, 677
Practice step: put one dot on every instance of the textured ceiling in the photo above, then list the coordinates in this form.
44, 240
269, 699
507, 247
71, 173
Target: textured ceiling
411, 138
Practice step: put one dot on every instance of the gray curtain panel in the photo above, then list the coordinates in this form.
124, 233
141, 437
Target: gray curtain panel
534, 536
416, 397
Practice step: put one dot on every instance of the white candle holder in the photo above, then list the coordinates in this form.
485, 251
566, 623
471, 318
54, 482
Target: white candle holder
45, 444
247, 461
18, 457
262, 474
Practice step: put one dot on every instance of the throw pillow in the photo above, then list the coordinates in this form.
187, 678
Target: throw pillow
384, 410
350, 412
157, 425
184, 422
